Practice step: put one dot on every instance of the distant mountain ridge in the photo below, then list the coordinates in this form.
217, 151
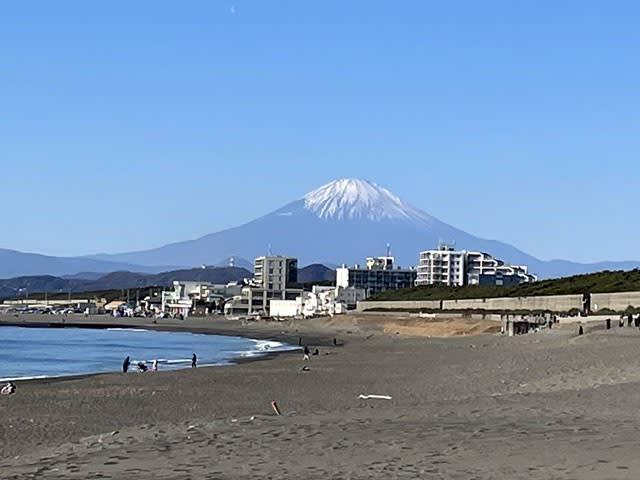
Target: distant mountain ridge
25, 285
343, 221
316, 272
14, 263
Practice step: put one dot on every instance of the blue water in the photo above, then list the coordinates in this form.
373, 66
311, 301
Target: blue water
36, 352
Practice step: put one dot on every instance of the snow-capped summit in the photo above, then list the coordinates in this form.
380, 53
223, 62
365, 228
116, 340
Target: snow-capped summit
356, 199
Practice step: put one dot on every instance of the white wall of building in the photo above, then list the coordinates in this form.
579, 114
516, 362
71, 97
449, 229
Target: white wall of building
284, 308
342, 277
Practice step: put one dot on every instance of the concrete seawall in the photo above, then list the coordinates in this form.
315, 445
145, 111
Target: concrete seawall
614, 301
401, 305
552, 303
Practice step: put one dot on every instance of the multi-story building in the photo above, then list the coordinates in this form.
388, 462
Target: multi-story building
378, 275
275, 272
447, 266
443, 266
275, 277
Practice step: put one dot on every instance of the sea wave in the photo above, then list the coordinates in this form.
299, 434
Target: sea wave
120, 329
32, 377
267, 344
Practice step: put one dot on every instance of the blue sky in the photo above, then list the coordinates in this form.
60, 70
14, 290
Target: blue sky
127, 125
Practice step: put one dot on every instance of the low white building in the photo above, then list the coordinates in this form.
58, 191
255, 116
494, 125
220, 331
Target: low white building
186, 295
320, 300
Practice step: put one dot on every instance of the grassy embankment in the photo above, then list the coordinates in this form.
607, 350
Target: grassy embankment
600, 282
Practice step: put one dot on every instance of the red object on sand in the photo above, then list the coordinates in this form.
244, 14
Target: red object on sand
274, 405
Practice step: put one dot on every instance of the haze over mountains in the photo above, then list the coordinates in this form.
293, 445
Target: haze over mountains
14, 263
21, 287
340, 222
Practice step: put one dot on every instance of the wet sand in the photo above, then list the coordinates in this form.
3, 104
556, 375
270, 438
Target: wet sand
540, 406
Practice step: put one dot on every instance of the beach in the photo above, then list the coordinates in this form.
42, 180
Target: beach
544, 405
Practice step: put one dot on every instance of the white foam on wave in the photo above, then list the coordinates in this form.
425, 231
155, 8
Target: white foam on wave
119, 329
32, 377
266, 344
177, 361
262, 347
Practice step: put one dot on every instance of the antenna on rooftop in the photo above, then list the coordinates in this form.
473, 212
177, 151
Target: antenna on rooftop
388, 249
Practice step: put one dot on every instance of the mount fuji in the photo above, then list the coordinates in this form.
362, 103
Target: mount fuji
344, 221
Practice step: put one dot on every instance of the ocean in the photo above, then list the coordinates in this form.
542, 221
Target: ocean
29, 352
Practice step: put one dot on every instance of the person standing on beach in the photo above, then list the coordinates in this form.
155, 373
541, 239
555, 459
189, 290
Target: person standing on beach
306, 353
125, 364
154, 366
194, 361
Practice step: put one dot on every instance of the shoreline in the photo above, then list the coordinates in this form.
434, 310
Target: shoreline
38, 323
213, 325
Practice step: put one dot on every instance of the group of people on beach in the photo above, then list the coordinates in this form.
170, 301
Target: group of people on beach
142, 366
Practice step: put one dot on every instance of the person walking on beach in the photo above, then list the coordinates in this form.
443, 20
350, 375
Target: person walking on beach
125, 364
306, 353
194, 361
154, 366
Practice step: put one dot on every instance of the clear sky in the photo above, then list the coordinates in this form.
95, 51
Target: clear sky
130, 124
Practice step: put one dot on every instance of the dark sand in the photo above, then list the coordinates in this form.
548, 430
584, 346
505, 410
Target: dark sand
540, 406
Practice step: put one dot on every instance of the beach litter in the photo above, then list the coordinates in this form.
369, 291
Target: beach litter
380, 397
274, 405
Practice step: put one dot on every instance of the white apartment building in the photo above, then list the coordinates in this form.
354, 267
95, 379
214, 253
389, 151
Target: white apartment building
443, 266
483, 269
447, 266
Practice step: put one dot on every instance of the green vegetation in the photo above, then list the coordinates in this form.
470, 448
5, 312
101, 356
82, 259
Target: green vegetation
600, 282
